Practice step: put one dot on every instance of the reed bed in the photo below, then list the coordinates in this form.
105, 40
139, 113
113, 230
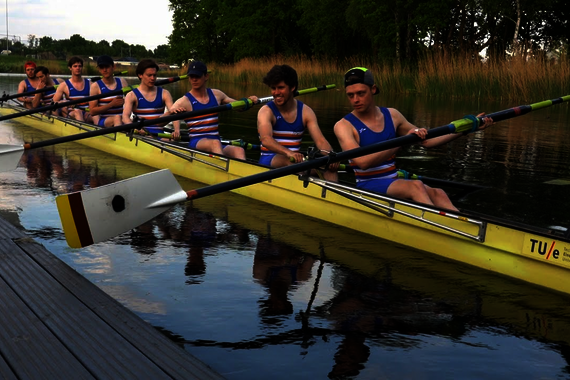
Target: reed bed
435, 75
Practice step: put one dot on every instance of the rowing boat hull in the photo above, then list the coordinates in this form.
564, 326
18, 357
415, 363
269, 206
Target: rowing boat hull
523, 252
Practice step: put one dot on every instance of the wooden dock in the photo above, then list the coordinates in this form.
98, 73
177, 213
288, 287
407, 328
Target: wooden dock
55, 324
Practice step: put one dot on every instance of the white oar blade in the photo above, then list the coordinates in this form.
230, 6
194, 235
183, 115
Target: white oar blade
10, 156
98, 214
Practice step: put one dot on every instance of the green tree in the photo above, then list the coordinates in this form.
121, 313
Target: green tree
162, 52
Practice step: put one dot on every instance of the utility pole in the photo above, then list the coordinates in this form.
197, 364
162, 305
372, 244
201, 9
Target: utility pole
7, 46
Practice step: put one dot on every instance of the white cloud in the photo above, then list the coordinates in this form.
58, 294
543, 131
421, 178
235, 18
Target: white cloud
143, 23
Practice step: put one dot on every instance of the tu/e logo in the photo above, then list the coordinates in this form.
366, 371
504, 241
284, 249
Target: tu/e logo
543, 248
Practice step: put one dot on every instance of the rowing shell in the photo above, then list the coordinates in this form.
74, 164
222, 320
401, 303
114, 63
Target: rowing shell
531, 254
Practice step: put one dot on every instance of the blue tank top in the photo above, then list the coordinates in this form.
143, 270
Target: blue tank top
75, 94
386, 169
29, 86
287, 134
149, 110
104, 89
205, 125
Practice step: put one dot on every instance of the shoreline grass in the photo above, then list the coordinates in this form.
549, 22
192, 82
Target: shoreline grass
435, 76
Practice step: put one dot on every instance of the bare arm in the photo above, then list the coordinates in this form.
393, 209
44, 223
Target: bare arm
62, 90
221, 97
130, 104
404, 127
169, 103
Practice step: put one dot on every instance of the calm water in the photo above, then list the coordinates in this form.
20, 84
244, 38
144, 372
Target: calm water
257, 292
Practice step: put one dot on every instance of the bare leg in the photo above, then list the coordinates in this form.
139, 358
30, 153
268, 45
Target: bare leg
234, 152
440, 198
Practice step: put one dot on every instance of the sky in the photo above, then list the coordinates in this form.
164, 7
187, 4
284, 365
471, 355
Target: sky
98, 20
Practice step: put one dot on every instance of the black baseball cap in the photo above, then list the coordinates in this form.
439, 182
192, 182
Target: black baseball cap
359, 75
197, 68
105, 60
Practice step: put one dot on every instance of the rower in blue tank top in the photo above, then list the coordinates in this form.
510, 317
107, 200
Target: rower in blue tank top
368, 124
203, 130
282, 123
75, 88
108, 111
147, 102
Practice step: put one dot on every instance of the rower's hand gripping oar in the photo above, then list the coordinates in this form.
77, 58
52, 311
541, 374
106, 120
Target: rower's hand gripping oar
98, 214
8, 155
6, 97
54, 106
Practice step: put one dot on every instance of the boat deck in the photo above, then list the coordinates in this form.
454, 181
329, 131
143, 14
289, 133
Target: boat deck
54, 323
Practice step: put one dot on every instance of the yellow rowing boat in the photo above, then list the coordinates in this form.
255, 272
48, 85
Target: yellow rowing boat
535, 255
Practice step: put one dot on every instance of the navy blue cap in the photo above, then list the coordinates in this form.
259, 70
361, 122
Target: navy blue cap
197, 68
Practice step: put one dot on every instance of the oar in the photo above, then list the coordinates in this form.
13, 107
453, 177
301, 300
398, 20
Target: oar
99, 214
54, 106
6, 97
8, 153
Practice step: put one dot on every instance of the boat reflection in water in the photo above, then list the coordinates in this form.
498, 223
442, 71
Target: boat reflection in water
256, 291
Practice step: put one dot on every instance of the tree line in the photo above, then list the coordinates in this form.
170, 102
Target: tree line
395, 30
47, 47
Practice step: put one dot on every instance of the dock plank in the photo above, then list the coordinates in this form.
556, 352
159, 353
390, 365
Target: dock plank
63, 313
23, 336
172, 358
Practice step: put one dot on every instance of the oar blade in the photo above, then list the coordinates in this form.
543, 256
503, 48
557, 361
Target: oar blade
10, 156
98, 214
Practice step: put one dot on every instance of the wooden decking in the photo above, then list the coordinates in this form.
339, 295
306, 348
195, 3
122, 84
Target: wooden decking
55, 324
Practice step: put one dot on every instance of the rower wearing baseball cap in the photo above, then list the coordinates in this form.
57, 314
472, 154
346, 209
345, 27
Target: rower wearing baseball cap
108, 111
369, 124
203, 130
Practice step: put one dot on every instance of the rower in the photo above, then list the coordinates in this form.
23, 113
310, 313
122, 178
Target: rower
203, 130
368, 124
282, 122
148, 101
29, 84
75, 88
108, 111
45, 80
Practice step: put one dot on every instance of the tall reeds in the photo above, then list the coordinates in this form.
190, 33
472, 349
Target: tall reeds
515, 78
